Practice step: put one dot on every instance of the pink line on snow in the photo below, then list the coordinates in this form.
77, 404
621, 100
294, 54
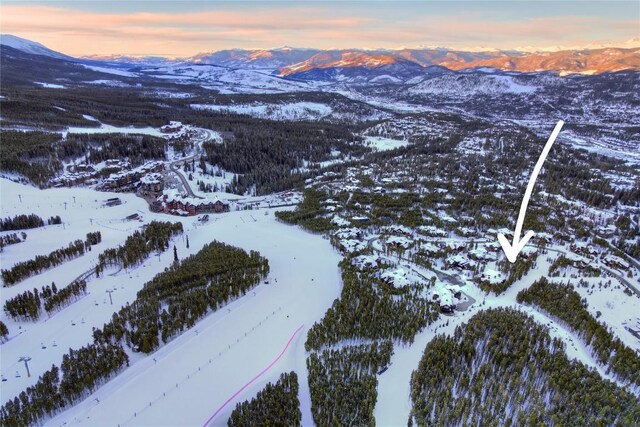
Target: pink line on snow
254, 378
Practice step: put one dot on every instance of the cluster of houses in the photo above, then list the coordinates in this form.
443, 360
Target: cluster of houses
130, 180
176, 131
86, 174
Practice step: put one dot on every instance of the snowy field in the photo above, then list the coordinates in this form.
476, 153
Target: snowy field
290, 111
380, 143
104, 128
303, 282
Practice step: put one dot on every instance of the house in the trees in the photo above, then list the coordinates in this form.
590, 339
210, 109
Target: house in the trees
480, 254
399, 242
360, 219
459, 261
584, 249
613, 261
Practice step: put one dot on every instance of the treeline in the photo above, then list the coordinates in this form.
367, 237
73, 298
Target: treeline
60, 299
40, 263
563, 262
82, 371
307, 211
28, 305
514, 271
268, 153
21, 222
38, 155
367, 309
343, 383
275, 405
25, 306
30, 154
154, 237
93, 238
12, 239
178, 297
564, 303
100, 147
219, 269
502, 368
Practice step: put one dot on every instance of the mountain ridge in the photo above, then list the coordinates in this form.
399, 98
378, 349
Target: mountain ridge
295, 62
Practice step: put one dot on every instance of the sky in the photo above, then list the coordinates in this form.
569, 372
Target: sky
182, 28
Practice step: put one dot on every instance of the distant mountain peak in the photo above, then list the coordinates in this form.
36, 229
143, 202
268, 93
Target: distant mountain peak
29, 46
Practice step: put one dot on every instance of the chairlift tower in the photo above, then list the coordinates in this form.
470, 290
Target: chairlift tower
26, 359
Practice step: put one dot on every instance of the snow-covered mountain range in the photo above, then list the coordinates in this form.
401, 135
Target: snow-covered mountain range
298, 62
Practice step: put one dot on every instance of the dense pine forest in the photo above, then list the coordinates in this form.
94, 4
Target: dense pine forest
154, 237
267, 155
100, 147
30, 154
307, 213
370, 309
40, 263
82, 371
564, 303
343, 383
502, 368
177, 298
275, 405
21, 222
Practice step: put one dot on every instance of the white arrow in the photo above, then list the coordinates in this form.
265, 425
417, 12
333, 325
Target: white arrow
512, 250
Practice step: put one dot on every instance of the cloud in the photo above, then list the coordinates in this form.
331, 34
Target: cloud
79, 32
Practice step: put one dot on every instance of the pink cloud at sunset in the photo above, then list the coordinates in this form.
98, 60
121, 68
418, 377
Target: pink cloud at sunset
77, 31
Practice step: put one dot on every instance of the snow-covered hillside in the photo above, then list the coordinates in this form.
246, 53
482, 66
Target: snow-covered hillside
229, 80
240, 339
29, 46
466, 84
291, 111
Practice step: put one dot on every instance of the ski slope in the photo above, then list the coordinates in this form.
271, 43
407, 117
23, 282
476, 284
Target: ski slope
239, 339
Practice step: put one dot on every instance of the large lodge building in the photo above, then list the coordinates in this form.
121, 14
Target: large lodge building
188, 205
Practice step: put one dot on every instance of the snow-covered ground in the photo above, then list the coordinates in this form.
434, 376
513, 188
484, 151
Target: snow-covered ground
229, 80
379, 143
303, 282
472, 84
393, 404
289, 111
50, 85
105, 128
187, 380
108, 70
